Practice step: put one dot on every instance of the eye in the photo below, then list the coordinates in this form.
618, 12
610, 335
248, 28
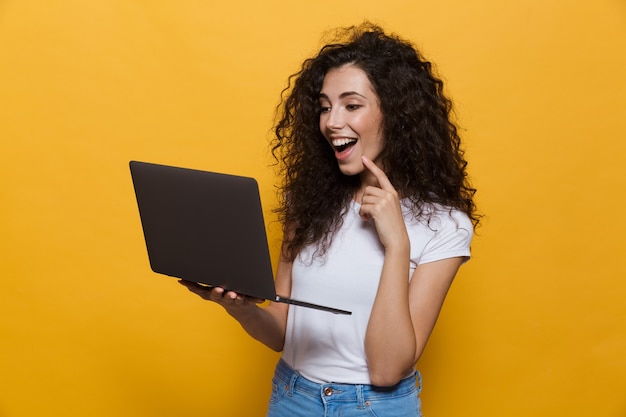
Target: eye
324, 109
353, 107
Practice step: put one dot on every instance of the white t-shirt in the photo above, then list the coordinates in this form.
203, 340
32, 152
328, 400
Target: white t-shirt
326, 347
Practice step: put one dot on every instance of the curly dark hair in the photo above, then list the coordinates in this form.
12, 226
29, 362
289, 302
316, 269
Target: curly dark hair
422, 150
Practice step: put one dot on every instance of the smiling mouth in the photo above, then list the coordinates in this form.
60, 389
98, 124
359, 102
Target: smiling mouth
341, 145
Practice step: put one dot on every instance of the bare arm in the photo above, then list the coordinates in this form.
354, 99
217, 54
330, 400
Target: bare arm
265, 324
403, 315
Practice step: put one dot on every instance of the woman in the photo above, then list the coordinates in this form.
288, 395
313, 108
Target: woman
378, 216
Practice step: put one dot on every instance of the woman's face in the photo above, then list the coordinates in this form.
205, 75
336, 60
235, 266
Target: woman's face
351, 119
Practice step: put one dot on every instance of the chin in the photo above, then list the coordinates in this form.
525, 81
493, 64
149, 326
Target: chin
351, 170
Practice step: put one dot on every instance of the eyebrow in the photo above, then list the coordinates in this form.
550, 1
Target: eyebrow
344, 95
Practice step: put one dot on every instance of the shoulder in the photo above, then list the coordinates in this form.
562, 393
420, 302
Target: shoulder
441, 217
441, 232
436, 216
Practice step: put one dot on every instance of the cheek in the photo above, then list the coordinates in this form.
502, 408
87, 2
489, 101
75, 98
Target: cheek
374, 132
372, 123
322, 123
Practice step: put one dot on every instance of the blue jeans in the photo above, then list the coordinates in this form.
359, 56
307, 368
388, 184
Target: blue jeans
295, 396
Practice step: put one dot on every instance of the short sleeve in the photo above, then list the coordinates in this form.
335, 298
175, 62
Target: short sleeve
452, 236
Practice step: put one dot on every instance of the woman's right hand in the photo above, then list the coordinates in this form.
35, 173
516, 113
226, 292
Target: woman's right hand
268, 323
234, 303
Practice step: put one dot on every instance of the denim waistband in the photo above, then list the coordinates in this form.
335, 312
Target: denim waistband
344, 392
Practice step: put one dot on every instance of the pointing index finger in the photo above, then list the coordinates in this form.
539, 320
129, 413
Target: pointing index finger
380, 175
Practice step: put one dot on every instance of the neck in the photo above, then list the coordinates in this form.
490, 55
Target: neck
366, 179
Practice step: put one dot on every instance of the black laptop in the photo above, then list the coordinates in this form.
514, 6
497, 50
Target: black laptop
208, 228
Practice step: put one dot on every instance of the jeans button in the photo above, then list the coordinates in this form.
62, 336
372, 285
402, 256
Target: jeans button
328, 391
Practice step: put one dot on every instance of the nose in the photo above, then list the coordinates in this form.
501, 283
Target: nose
333, 119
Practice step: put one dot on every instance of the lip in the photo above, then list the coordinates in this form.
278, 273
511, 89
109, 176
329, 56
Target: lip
345, 154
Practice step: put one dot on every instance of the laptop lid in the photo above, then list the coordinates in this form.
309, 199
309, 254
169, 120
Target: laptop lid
208, 228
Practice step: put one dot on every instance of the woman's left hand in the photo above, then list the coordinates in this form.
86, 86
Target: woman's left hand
382, 205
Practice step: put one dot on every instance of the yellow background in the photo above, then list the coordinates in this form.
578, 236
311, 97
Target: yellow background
534, 325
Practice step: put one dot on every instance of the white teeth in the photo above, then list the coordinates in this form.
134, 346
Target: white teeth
342, 141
